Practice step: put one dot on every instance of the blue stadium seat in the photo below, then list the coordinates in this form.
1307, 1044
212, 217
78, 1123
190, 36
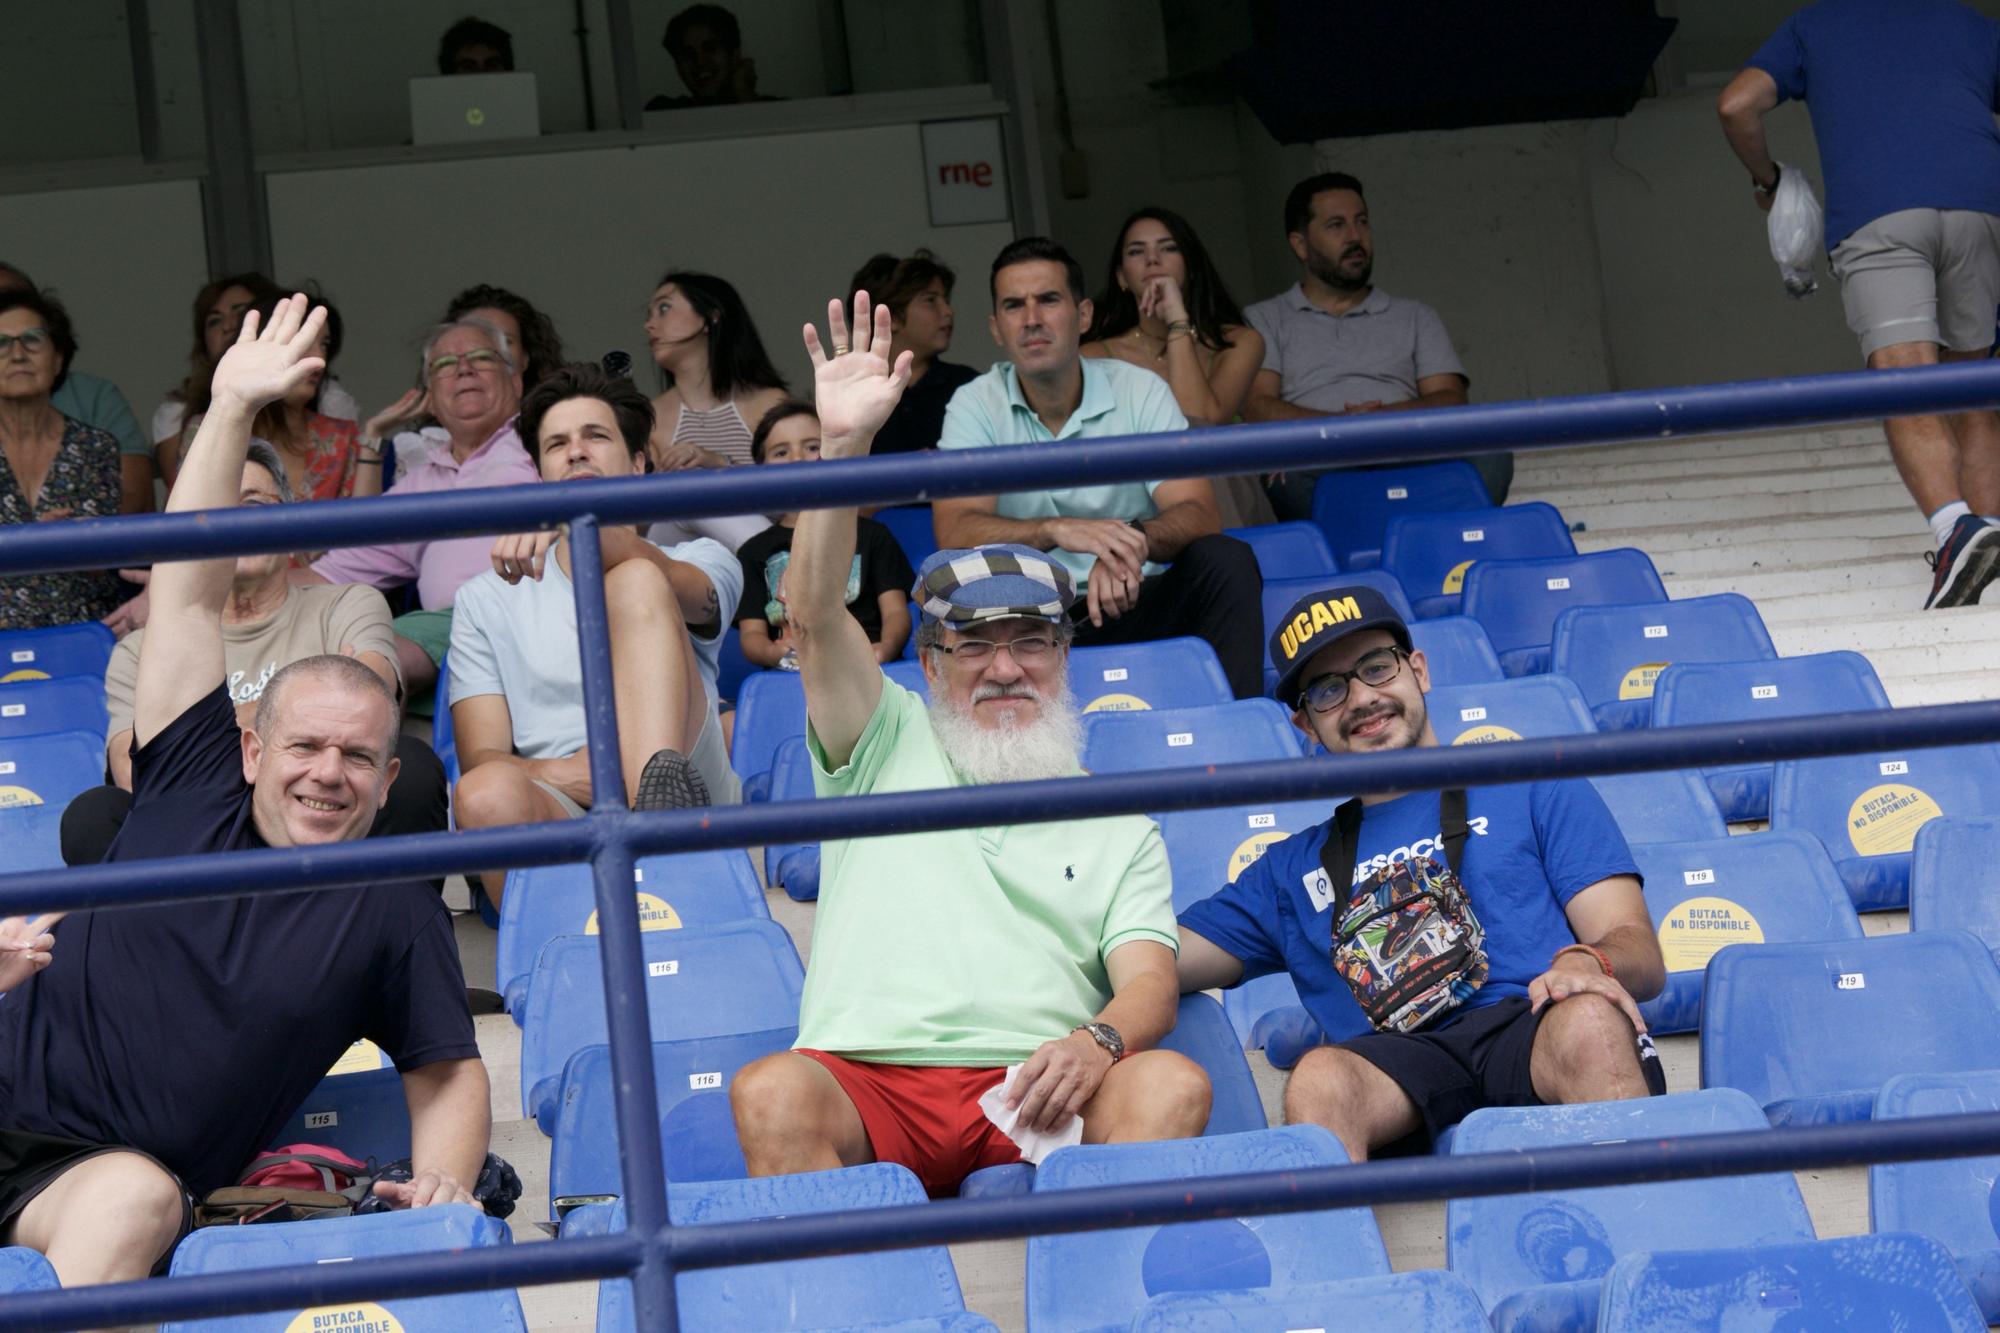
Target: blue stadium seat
1530, 708
913, 530
1774, 888
845, 1291
62, 650
697, 1132
770, 706
1267, 1014
444, 741
1166, 673
341, 1239
39, 776
1812, 1031
1951, 877
1353, 507
1103, 1279
1430, 553
1288, 550
1210, 848
792, 866
1945, 1200
1615, 654
1661, 807
62, 703
1237, 732
732, 668
1457, 650
1279, 594
1427, 1299
23, 1269
1536, 1259
1518, 600
681, 889
1856, 1284
1867, 808
365, 1114
702, 981
1691, 693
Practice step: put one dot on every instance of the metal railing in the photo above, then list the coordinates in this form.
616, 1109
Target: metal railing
651, 1251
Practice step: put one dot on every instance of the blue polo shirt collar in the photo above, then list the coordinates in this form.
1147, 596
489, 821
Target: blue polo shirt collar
1098, 399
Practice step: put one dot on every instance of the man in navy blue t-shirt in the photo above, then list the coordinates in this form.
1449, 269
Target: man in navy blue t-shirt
158, 1049
1543, 1009
1902, 95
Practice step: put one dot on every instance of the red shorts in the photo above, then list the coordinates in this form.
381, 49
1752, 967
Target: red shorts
925, 1117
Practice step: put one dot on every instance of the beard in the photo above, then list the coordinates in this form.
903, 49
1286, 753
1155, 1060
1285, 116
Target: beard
1405, 729
1011, 751
1329, 271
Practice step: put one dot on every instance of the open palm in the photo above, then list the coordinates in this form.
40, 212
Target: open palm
266, 363
855, 390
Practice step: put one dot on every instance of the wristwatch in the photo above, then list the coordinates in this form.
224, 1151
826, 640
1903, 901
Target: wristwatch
1106, 1036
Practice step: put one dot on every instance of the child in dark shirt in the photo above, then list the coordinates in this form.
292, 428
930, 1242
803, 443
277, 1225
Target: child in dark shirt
878, 582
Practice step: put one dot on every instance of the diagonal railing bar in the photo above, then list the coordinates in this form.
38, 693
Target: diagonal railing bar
230, 874
1272, 446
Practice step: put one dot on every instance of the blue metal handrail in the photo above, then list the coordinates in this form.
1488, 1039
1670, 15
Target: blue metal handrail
651, 1251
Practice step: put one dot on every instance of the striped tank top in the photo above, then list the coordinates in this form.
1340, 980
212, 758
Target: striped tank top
720, 429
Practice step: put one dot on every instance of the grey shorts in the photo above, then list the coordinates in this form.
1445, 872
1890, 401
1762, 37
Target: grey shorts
709, 757
1922, 275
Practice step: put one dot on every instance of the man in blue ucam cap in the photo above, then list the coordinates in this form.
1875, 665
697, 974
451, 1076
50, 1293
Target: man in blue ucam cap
975, 996
1461, 949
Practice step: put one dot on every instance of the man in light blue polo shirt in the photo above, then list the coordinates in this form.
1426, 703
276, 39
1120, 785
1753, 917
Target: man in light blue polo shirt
1150, 555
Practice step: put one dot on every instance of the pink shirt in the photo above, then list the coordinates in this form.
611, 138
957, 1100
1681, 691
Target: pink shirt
438, 567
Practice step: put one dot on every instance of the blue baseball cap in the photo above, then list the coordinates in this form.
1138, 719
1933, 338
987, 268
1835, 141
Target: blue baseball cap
1321, 618
998, 582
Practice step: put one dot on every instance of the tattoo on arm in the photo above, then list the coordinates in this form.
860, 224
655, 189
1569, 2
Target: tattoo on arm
711, 612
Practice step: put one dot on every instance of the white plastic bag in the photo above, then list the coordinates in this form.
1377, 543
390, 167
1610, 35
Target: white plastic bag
1798, 231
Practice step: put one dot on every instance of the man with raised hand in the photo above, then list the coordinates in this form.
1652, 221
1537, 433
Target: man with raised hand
945, 962
1496, 940
161, 1047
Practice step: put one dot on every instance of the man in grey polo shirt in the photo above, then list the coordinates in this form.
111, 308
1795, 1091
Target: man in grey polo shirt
1336, 344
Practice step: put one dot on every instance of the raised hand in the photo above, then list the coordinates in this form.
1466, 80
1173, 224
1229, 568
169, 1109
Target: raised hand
856, 388
266, 363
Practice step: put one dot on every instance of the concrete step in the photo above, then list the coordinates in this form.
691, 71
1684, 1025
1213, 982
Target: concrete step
1708, 484
1970, 629
1966, 687
1671, 449
1832, 580
1631, 509
1560, 474
1715, 555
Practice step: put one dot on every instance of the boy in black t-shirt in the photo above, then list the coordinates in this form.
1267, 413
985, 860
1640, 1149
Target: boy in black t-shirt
877, 583
159, 1048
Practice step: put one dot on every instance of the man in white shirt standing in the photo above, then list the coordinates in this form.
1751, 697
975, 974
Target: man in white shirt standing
516, 670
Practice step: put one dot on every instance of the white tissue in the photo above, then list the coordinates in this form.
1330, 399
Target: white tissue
1033, 1144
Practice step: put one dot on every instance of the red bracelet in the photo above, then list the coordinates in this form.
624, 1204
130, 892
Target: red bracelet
1590, 949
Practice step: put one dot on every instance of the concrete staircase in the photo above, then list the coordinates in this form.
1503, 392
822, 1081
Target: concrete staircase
1811, 525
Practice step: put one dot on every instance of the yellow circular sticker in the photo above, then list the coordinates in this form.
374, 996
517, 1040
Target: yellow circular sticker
13, 796
1455, 581
654, 914
1486, 735
1692, 932
1117, 703
1638, 682
366, 1317
25, 673
1249, 850
359, 1058
1885, 819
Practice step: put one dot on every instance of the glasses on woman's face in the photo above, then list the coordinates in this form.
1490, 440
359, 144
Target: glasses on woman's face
1375, 669
32, 341
1029, 650
479, 361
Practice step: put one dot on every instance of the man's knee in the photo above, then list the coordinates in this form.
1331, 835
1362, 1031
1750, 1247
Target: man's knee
91, 821
417, 801
1173, 1094
108, 1218
1228, 563
639, 588
1590, 1047
1324, 1088
778, 1096
1898, 355
492, 795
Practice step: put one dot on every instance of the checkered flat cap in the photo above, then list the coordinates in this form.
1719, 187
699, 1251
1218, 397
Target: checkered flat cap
996, 582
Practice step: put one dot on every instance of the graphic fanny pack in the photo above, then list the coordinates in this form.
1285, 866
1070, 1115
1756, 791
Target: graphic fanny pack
1405, 939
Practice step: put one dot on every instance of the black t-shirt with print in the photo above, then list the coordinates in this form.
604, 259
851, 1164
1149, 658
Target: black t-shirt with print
879, 566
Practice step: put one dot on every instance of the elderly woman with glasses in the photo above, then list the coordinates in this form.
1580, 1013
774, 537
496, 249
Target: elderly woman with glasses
51, 466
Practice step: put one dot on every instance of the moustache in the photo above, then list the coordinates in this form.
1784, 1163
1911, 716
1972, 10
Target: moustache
1350, 725
1011, 690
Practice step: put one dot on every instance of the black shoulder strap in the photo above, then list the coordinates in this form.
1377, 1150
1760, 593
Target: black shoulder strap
1451, 816
1343, 837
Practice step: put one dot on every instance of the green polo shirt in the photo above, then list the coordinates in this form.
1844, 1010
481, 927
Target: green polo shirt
967, 947
1118, 399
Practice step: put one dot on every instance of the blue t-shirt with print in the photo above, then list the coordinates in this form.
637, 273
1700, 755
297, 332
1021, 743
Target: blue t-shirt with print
1902, 95
1532, 848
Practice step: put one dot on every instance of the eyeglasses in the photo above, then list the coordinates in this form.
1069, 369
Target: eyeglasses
479, 361
32, 341
1374, 670
1028, 650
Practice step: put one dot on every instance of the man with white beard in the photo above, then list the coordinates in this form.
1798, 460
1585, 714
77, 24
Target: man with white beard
1036, 960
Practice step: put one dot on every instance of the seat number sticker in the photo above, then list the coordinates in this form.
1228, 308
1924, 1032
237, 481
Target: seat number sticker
322, 1119
1698, 877
712, 1079
1763, 691
1180, 738
1473, 535
1263, 821
1894, 767
13, 710
671, 967
1558, 585
23, 655
1851, 981
1399, 492
1472, 715
1116, 673
6, 765
1656, 631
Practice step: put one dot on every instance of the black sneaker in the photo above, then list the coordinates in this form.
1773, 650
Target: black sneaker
670, 782
1965, 564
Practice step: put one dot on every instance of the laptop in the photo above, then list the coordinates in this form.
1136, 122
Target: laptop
473, 108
